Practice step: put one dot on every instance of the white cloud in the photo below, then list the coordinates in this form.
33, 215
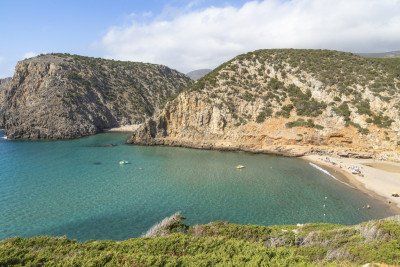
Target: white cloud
29, 55
205, 38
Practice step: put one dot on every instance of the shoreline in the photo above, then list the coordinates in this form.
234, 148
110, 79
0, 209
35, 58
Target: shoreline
123, 129
381, 178
377, 183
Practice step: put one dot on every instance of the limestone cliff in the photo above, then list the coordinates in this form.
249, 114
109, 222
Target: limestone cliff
287, 102
3, 85
60, 96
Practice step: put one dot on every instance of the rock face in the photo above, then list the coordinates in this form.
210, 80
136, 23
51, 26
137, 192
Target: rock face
287, 102
198, 74
4, 82
3, 85
60, 96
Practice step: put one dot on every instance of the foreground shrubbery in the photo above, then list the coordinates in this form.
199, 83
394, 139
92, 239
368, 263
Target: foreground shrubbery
219, 243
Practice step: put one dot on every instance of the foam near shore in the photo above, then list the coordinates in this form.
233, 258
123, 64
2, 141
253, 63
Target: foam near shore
380, 179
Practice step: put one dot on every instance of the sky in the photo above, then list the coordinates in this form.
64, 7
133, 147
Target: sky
191, 34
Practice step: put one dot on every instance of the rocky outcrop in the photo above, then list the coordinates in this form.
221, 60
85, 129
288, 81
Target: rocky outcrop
290, 102
4, 82
60, 96
3, 85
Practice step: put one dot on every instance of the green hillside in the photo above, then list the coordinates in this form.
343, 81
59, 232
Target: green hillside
219, 243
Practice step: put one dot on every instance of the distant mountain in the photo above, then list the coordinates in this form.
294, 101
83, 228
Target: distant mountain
61, 96
381, 55
286, 101
197, 74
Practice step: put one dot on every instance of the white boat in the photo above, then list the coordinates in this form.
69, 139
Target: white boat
122, 162
239, 167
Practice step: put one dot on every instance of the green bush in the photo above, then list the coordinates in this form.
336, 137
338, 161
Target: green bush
303, 102
220, 243
248, 97
302, 123
363, 107
359, 128
382, 121
275, 85
266, 112
285, 111
344, 111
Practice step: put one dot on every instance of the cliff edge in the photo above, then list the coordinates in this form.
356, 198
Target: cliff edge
61, 96
286, 101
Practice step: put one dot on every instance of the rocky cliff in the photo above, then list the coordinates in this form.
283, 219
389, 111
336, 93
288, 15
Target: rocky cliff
3, 85
59, 96
4, 82
287, 102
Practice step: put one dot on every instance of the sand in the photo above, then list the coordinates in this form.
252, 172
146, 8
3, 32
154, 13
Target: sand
124, 128
379, 179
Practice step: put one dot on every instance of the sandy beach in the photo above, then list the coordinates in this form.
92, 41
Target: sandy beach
124, 128
380, 179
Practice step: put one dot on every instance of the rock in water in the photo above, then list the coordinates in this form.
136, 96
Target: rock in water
60, 96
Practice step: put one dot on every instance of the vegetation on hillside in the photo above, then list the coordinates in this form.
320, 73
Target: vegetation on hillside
219, 243
115, 77
306, 84
75, 96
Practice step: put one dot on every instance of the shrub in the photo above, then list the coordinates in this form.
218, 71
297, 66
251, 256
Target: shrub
275, 84
363, 107
360, 129
303, 102
382, 121
344, 111
266, 112
285, 111
222, 244
248, 97
302, 123
261, 117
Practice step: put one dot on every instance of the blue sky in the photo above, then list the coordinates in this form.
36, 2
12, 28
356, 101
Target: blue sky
191, 34
71, 26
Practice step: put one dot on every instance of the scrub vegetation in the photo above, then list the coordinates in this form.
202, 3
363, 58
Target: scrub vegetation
307, 84
218, 243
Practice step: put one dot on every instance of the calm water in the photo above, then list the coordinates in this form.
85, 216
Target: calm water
77, 188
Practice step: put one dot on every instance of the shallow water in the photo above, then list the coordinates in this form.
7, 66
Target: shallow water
77, 188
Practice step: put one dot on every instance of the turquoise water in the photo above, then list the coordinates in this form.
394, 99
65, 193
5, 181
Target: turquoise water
77, 188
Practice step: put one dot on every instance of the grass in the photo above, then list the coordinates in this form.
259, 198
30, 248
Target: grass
219, 243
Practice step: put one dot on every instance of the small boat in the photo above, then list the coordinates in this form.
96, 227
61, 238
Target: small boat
123, 162
239, 167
